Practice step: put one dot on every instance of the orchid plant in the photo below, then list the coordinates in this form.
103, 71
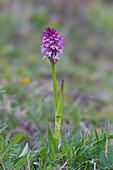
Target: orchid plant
51, 47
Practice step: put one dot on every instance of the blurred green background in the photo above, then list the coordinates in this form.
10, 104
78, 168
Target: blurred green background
86, 66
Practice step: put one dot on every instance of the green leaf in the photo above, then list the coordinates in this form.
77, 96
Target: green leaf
51, 139
17, 138
1, 147
111, 157
7, 138
8, 164
69, 137
1, 130
109, 126
102, 130
87, 143
51, 142
60, 106
58, 117
65, 146
90, 138
1, 137
15, 147
103, 158
22, 162
110, 137
86, 134
92, 134
17, 160
96, 134
25, 150
77, 138
81, 143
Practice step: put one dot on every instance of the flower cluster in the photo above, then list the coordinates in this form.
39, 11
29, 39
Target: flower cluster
52, 45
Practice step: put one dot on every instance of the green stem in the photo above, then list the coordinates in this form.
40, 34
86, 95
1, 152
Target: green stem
55, 94
57, 130
58, 117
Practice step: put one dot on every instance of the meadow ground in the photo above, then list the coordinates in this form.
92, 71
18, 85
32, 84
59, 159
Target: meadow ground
86, 65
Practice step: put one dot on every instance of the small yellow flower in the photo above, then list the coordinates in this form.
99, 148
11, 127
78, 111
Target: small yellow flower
4, 50
90, 42
25, 80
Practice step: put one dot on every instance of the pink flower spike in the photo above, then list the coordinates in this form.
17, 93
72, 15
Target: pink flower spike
52, 45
